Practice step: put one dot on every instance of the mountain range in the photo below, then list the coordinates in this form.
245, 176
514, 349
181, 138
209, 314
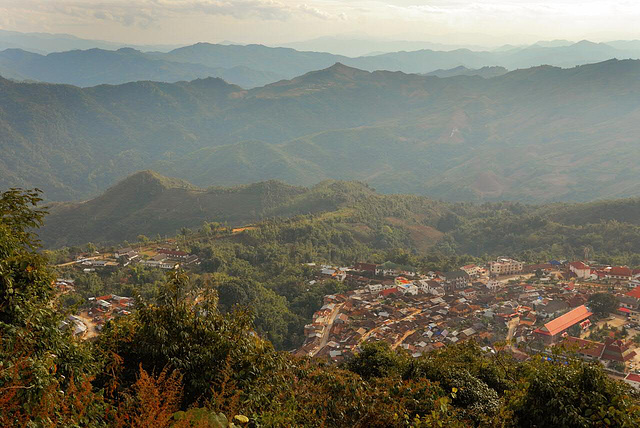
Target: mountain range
252, 66
47, 43
537, 135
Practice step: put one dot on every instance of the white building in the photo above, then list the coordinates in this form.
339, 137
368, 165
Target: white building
493, 284
581, 270
504, 266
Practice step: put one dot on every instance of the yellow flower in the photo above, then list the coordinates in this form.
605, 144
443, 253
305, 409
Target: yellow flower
241, 418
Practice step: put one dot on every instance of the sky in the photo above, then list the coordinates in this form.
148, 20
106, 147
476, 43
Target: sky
488, 22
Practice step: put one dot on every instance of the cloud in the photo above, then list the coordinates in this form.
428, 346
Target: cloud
264, 9
314, 11
143, 13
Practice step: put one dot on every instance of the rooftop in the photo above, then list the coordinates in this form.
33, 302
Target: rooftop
565, 321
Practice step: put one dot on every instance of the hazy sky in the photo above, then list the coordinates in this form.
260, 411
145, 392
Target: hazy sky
276, 21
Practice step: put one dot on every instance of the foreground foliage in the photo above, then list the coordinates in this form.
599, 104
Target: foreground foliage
181, 362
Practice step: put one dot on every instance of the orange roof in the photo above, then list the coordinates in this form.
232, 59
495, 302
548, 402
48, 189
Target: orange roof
565, 321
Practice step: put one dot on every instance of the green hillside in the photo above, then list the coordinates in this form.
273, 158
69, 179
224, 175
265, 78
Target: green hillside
536, 135
150, 204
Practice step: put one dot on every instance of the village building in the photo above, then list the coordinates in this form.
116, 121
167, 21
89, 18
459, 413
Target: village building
580, 270
617, 350
365, 267
472, 270
619, 273
633, 379
551, 308
552, 331
455, 280
505, 266
173, 254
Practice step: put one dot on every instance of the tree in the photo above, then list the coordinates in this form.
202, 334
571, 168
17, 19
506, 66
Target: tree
38, 358
184, 332
375, 359
143, 239
567, 392
206, 228
603, 303
574, 330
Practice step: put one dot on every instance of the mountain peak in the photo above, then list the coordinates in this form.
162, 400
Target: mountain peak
340, 68
149, 179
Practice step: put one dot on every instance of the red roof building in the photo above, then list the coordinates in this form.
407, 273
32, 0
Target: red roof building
388, 291
365, 267
585, 348
635, 293
619, 272
580, 269
553, 330
617, 350
633, 380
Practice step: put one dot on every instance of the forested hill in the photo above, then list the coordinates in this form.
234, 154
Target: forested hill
536, 135
147, 203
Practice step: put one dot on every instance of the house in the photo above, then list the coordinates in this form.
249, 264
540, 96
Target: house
455, 280
493, 284
505, 266
581, 270
618, 272
617, 350
431, 287
122, 252
552, 331
544, 267
327, 272
552, 308
586, 349
472, 270
388, 292
365, 267
469, 293
374, 288
410, 289
633, 380
192, 258
173, 254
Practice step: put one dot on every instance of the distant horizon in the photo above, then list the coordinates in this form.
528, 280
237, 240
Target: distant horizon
301, 44
280, 22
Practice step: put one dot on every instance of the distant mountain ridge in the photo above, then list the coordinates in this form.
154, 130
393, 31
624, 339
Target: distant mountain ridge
44, 43
97, 66
486, 72
254, 65
537, 135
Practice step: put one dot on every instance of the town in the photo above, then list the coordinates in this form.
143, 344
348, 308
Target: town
503, 304
592, 310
